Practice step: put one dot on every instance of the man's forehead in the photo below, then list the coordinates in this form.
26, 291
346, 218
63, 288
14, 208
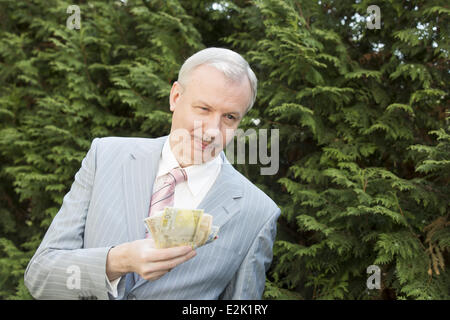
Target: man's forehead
207, 86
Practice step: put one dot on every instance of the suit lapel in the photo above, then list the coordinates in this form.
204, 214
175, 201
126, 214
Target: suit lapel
220, 201
139, 173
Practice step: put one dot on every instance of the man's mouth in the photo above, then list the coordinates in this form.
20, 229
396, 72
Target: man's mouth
202, 144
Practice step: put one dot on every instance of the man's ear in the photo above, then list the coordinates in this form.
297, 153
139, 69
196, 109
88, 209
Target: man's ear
175, 94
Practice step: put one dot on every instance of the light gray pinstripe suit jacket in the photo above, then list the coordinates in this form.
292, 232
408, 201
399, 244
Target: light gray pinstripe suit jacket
106, 206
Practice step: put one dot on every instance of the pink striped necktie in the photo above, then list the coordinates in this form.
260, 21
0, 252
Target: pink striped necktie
165, 190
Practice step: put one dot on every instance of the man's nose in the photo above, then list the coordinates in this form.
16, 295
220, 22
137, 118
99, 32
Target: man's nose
212, 127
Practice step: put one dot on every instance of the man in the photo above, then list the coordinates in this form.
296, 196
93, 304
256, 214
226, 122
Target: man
97, 246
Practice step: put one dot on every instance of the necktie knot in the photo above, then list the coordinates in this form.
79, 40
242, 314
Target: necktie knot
178, 175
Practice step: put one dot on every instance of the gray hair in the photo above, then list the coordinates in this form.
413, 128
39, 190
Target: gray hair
231, 63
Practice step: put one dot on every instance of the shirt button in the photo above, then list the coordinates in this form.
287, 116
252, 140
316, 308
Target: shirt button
131, 297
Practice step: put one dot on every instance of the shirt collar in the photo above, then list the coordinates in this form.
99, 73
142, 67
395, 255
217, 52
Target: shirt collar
198, 174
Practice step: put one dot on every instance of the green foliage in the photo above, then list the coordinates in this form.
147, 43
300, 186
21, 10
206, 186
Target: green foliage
61, 88
364, 143
364, 133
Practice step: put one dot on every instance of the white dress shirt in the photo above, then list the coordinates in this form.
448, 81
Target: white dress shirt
188, 194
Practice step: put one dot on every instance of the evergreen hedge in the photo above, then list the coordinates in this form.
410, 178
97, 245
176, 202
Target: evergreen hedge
362, 113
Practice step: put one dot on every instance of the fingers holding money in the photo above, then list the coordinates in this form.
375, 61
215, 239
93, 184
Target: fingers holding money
141, 257
156, 269
172, 263
170, 253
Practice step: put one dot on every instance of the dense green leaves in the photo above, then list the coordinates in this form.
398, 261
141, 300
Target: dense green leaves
362, 113
61, 88
357, 110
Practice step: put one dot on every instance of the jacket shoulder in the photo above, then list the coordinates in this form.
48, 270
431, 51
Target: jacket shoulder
256, 198
125, 141
122, 144
118, 149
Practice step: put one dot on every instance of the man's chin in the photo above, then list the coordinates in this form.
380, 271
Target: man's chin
199, 156
204, 156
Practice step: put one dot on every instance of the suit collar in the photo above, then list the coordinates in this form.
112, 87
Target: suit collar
199, 175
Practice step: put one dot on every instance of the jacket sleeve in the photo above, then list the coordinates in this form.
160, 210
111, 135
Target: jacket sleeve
61, 268
249, 281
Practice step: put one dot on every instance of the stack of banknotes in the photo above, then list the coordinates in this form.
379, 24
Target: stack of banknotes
174, 227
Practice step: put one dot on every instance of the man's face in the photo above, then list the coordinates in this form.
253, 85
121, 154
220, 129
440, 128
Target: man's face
206, 114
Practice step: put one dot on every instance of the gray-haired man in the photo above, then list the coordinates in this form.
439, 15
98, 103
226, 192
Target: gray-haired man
99, 229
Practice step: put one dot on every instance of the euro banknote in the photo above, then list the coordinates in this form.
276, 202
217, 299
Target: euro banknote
174, 227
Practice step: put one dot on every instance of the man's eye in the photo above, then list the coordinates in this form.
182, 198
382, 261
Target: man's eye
230, 117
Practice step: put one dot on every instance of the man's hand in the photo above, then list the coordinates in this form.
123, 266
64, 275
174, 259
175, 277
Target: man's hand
142, 257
